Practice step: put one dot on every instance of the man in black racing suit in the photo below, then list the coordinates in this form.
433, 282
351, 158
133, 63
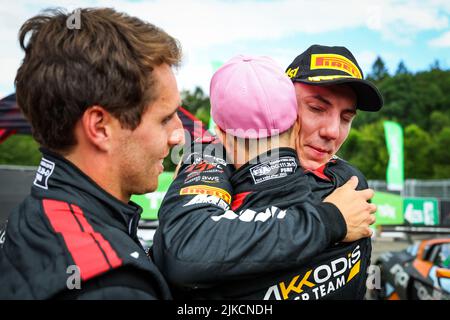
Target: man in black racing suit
70, 239
102, 104
261, 231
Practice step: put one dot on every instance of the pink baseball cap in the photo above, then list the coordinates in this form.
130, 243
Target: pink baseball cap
253, 97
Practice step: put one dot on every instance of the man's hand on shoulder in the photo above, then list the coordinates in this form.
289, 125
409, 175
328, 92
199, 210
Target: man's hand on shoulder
355, 208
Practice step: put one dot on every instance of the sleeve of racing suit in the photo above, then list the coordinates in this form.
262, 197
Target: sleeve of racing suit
200, 241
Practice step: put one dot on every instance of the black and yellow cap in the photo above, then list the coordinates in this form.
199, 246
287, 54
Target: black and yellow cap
323, 65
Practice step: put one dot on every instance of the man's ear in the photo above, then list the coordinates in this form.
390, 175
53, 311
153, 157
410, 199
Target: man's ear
295, 133
97, 127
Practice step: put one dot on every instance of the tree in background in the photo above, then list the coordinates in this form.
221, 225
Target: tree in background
440, 154
435, 65
417, 144
197, 103
438, 121
379, 70
401, 69
20, 150
420, 102
411, 98
365, 148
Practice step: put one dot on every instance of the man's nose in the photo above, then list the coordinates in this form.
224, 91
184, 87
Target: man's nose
177, 135
330, 128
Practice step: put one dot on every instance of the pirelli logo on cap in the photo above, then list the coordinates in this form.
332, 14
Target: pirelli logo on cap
335, 62
202, 189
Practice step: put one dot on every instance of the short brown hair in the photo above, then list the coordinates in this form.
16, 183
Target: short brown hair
108, 61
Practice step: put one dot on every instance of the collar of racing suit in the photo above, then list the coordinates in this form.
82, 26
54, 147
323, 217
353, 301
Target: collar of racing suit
67, 182
265, 170
243, 178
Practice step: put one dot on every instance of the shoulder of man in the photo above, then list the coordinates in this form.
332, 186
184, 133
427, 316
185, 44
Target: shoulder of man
343, 171
204, 156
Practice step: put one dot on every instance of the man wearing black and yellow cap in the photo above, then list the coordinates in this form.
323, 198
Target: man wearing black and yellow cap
330, 88
222, 234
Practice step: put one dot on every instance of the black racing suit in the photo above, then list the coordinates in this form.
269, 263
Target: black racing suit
70, 234
275, 240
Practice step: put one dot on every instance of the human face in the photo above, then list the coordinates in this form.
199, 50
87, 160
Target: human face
326, 114
143, 149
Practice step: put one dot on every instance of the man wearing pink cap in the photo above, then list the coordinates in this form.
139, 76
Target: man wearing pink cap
257, 228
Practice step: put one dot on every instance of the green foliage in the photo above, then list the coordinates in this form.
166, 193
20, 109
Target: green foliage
197, 103
435, 65
440, 154
417, 145
168, 164
366, 150
438, 121
426, 155
411, 99
379, 70
420, 102
401, 69
20, 150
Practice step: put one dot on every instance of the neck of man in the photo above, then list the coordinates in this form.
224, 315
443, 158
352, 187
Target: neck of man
311, 165
99, 167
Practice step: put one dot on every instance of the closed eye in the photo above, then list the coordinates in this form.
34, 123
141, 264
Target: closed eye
167, 119
316, 108
348, 116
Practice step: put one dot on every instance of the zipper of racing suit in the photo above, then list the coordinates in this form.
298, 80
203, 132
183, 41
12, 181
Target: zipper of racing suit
133, 226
